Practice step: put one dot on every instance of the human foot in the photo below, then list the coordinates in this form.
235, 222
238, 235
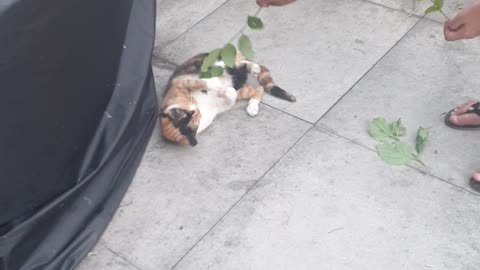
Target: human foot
475, 182
465, 116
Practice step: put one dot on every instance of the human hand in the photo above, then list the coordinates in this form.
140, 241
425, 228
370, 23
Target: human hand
278, 3
465, 25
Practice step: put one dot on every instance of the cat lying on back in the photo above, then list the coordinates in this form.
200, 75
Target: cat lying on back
190, 104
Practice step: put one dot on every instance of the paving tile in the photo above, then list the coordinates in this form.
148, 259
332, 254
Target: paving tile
331, 204
312, 55
175, 17
211, 32
420, 79
101, 258
179, 193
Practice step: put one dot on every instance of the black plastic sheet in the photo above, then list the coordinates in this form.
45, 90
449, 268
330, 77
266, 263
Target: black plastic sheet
77, 107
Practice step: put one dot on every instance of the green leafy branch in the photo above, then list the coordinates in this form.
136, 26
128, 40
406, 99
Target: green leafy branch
437, 6
391, 149
228, 53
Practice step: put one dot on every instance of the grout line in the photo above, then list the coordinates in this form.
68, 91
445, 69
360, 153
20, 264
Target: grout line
391, 8
406, 12
243, 196
329, 131
120, 256
287, 113
156, 58
367, 72
198, 22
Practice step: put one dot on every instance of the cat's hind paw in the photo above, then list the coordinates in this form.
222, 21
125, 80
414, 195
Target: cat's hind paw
253, 108
255, 71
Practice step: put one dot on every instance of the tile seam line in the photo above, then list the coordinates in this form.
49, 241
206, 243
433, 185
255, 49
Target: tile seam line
329, 131
287, 113
405, 12
367, 72
194, 25
242, 197
119, 256
160, 59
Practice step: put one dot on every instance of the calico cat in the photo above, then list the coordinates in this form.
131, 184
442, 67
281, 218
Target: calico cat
190, 103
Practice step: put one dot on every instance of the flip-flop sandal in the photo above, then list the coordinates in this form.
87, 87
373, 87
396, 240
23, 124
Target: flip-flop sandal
475, 108
475, 185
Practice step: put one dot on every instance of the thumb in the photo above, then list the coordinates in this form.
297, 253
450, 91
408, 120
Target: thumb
452, 34
456, 22
262, 3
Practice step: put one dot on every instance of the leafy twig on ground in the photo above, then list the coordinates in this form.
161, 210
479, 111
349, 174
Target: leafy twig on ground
391, 149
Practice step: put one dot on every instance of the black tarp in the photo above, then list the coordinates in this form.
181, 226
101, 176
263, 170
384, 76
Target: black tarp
77, 106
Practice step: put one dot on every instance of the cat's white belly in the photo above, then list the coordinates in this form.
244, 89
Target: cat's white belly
212, 103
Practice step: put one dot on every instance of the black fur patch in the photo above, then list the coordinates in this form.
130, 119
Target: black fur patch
239, 76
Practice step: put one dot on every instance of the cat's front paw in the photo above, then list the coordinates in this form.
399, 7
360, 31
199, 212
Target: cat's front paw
253, 108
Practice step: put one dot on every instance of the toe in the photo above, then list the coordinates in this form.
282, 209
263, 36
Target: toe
476, 176
470, 119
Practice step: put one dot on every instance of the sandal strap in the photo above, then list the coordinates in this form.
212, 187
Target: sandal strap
475, 108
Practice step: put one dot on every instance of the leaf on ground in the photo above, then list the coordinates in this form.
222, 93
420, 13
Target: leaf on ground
398, 153
210, 59
422, 137
229, 53
254, 22
380, 130
245, 47
432, 9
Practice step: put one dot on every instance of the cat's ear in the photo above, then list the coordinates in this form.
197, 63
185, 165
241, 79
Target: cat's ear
174, 114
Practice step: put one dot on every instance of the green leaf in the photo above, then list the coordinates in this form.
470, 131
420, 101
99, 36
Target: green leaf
245, 47
381, 131
438, 4
398, 129
254, 23
398, 153
431, 9
422, 136
229, 53
210, 59
216, 71
206, 75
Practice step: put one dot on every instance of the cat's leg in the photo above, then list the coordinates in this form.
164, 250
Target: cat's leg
253, 68
262, 74
230, 96
253, 95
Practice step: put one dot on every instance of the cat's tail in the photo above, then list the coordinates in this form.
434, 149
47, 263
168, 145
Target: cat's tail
265, 79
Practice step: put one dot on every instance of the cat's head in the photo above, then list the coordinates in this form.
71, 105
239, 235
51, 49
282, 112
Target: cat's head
180, 125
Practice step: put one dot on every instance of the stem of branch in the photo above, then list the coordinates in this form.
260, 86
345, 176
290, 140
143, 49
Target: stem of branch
441, 11
244, 27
